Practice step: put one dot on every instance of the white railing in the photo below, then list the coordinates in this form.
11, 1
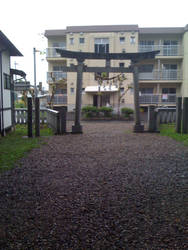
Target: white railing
161, 75
165, 50
157, 99
21, 115
54, 76
58, 99
51, 51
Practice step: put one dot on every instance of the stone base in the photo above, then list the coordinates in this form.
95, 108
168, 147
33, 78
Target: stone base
77, 129
138, 128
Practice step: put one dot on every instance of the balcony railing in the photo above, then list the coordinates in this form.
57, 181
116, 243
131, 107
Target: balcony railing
55, 76
161, 75
165, 50
157, 99
58, 99
51, 52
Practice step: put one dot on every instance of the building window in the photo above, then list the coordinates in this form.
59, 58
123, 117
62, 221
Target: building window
146, 45
83, 90
132, 39
7, 81
82, 40
58, 68
123, 51
121, 65
146, 90
170, 48
61, 91
122, 39
168, 90
170, 42
101, 45
146, 42
72, 90
146, 68
59, 45
71, 40
122, 90
169, 66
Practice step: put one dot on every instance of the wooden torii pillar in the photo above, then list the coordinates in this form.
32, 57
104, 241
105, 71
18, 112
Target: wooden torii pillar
135, 59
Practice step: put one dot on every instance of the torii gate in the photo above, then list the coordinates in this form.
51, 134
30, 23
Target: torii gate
135, 59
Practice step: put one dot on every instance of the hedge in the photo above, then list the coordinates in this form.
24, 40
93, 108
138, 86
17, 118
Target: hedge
127, 111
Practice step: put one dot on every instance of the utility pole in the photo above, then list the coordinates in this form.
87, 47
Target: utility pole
35, 81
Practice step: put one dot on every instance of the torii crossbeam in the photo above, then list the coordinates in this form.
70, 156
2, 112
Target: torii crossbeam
135, 59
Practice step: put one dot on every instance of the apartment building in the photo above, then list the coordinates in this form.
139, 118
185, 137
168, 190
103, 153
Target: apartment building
160, 79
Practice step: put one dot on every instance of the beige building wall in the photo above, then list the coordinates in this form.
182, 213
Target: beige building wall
115, 46
184, 89
89, 78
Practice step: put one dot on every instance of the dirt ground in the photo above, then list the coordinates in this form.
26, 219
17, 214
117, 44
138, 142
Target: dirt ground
107, 188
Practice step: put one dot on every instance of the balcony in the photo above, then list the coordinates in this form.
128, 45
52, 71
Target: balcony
51, 52
55, 76
166, 75
162, 99
58, 99
165, 50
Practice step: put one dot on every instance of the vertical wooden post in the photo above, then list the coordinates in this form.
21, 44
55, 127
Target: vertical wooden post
152, 119
37, 117
137, 127
178, 114
77, 128
63, 119
29, 117
185, 116
58, 124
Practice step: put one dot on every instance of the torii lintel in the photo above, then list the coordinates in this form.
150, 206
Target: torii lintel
134, 57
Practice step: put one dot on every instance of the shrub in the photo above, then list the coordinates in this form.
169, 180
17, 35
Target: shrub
90, 111
20, 104
107, 111
127, 111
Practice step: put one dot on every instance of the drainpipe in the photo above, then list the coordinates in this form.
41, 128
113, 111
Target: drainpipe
2, 130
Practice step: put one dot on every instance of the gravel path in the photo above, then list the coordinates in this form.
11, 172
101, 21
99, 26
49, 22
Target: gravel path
105, 189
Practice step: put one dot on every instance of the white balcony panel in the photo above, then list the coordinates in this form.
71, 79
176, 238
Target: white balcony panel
167, 75
157, 99
51, 52
165, 50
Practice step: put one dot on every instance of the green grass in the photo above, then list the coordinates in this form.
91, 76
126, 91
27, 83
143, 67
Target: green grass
169, 130
14, 146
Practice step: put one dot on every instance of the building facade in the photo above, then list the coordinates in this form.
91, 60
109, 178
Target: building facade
7, 49
160, 79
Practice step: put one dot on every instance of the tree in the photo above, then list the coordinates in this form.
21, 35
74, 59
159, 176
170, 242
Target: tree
118, 81
54, 87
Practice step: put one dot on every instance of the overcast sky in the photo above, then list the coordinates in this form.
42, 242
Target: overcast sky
24, 21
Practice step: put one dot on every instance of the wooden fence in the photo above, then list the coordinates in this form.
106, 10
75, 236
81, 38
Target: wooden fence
166, 115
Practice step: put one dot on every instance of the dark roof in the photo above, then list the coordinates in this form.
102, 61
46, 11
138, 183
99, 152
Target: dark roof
102, 28
48, 33
87, 29
8, 45
171, 30
116, 28
18, 72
